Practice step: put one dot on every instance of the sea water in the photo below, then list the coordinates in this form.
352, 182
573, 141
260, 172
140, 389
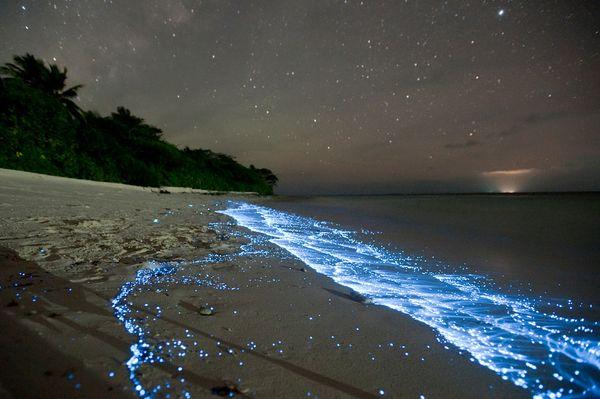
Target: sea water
542, 342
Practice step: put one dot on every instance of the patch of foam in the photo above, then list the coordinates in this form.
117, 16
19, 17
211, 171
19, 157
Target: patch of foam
551, 355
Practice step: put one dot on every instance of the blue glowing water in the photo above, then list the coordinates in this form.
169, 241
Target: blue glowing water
544, 351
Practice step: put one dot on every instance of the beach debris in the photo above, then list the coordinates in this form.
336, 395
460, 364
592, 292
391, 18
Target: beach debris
206, 311
223, 391
360, 298
229, 389
12, 303
87, 279
303, 270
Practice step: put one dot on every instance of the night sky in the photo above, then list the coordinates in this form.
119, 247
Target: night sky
344, 96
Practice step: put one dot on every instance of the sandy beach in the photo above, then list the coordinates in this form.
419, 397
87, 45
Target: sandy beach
116, 291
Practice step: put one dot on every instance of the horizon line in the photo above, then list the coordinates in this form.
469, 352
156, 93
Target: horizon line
517, 193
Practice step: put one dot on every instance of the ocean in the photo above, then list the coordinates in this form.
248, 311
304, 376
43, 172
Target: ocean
512, 280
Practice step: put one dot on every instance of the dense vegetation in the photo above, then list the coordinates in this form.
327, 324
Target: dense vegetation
43, 130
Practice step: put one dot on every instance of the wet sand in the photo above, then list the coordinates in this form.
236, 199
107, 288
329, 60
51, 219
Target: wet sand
278, 328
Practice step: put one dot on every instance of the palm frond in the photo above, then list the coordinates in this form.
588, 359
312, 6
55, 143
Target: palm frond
71, 92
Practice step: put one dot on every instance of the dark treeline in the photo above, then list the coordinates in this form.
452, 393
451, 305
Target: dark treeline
43, 130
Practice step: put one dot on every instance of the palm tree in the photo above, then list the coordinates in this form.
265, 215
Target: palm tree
126, 118
134, 126
269, 176
50, 79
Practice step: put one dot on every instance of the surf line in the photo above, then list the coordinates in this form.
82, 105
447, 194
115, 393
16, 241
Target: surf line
546, 352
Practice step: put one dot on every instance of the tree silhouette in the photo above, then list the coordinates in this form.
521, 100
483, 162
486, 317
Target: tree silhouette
269, 176
42, 130
126, 118
133, 126
50, 79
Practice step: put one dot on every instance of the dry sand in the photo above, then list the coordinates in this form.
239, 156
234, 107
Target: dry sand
67, 247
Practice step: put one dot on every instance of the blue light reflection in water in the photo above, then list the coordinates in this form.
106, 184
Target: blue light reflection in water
548, 353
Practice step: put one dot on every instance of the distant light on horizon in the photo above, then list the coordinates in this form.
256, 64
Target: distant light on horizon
508, 181
508, 190
507, 186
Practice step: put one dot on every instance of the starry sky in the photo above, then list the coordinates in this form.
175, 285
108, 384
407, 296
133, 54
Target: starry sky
344, 96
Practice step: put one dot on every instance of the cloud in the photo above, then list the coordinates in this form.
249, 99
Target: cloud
509, 172
466, 144
535, 119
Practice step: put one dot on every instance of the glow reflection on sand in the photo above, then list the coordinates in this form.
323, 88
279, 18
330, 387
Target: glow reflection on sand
549, 354
145, 351
155, 277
